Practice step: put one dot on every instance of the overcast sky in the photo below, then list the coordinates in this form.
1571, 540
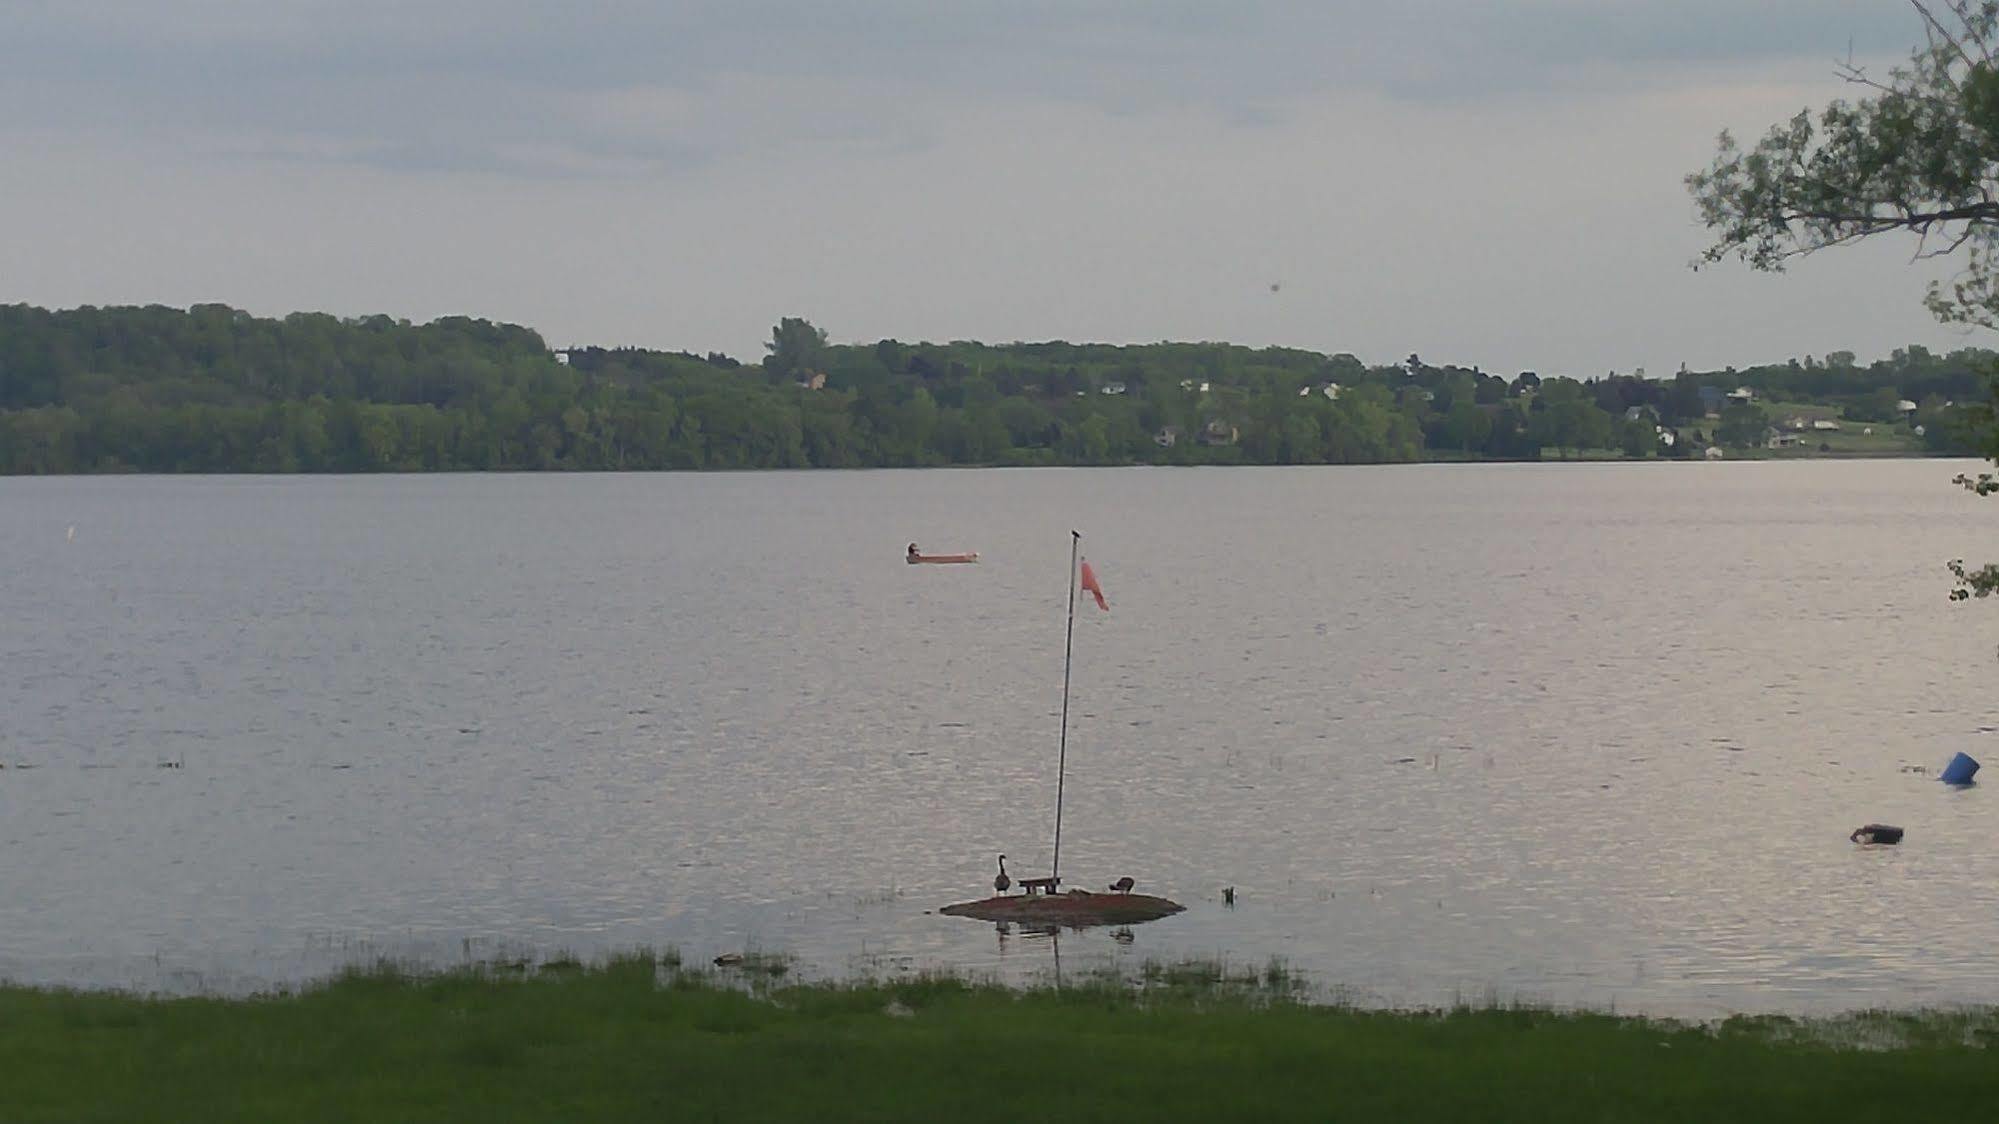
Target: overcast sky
1492, 182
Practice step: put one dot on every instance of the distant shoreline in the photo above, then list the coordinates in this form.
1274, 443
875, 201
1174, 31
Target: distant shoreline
214, 390
1444, 462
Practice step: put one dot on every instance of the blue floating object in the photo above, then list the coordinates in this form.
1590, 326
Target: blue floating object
1960, 770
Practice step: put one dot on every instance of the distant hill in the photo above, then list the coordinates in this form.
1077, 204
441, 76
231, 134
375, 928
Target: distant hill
214, 389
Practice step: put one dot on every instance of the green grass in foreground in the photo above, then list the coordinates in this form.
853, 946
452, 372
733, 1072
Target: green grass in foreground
634, 1040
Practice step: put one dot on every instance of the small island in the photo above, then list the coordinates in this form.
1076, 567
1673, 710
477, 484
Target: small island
1074, 908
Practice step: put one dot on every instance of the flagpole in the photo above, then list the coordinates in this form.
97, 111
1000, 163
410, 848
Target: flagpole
1062, 761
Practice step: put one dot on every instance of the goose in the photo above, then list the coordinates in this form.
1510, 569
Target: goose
1001, 883
1123, 885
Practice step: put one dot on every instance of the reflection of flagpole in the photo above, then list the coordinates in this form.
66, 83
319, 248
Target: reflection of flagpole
1062, 761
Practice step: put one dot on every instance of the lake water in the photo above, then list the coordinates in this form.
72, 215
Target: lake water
1576, 734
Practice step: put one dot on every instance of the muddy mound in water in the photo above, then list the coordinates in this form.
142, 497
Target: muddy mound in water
1077, 908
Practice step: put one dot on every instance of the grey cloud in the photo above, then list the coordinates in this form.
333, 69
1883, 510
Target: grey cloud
510, 85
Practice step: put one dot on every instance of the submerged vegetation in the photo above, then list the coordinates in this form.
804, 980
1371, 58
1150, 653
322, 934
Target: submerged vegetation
215, 389
641, 1039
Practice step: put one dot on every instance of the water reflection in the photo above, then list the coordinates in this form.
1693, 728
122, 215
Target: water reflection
1041, 944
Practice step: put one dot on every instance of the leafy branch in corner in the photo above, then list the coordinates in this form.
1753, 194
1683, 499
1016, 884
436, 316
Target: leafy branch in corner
1919, 153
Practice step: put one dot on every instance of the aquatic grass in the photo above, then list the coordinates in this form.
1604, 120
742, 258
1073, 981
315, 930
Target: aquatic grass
633, 1038
887, 895
1976, 1028
1196, 976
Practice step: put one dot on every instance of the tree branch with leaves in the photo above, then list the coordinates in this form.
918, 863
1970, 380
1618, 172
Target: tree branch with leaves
1917, 153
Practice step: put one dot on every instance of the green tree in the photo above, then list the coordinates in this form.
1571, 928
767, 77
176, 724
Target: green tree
795, 347
985, 436
1464, 427
1300, 441
1088, 442
1742, 425
1637, 439
1565, 418
1918, 153
1876, 407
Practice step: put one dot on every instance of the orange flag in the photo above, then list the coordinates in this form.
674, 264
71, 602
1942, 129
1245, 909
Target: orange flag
1092, 588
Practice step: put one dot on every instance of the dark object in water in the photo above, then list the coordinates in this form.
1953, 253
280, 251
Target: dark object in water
1876, 833
1123, 885
1961, 770
1072, 909
1228, 895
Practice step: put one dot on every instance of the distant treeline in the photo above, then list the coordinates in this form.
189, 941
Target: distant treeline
214, 389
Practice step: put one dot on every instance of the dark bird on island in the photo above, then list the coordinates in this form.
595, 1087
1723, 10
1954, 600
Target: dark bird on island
1876, 833
1123, 885
1002, 883
1228, 895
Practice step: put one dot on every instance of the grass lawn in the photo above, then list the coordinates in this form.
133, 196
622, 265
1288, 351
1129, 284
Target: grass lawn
635, 1040
1850, 440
